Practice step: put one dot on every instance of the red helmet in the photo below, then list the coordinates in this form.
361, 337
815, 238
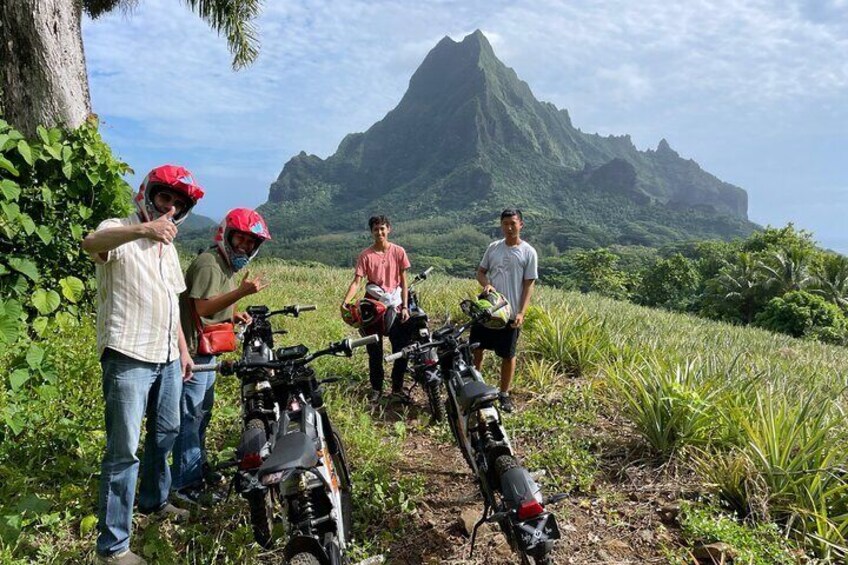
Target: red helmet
366, 314
242, 220
167, 177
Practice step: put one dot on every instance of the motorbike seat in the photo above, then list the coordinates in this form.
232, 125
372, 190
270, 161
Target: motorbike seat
293, 450
475, 394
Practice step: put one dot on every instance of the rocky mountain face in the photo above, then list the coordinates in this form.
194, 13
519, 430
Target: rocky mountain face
469, 138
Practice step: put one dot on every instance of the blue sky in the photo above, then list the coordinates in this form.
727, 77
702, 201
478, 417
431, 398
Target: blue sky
756, 91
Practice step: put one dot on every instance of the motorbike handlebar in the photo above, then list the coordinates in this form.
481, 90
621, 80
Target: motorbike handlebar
346, 346
359, 342
394, 356
406, 351
293, 310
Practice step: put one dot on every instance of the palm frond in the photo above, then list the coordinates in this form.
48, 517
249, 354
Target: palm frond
235, 19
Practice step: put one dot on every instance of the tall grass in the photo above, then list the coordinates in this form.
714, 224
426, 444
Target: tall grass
671, 404
574, 342
758, 416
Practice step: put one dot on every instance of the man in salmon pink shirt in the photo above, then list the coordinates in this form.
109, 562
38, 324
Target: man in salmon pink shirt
382, 266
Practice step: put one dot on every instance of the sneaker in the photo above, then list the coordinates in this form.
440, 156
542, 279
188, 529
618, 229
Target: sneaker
125, 557
170, 513
506, 402
375, 395
197, 495
400, 397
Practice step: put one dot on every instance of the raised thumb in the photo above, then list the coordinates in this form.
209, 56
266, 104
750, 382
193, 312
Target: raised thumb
170, 213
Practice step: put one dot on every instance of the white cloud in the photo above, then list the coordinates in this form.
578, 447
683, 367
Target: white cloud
329, 67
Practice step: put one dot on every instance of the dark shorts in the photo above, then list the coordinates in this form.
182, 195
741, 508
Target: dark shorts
502, 341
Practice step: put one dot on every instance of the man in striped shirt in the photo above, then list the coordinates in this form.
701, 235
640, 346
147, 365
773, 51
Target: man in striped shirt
142, 352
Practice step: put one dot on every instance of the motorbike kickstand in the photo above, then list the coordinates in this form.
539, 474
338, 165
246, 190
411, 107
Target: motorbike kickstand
230, 488
479, 523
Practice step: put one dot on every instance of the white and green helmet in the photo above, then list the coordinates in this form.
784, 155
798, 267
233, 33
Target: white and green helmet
491, 300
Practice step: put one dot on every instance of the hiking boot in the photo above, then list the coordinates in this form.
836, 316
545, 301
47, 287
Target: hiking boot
196, 495
506, 402
170, 513
125, 557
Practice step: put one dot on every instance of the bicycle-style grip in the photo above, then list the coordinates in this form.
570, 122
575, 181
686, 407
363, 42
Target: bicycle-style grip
393, 357
427, 271
204, 368
307, 308
367, 340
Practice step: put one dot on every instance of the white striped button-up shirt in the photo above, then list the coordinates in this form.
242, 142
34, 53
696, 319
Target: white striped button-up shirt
138, 288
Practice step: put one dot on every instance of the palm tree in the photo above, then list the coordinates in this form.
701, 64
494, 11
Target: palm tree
741, 281
43, 78
787, 270
830, 279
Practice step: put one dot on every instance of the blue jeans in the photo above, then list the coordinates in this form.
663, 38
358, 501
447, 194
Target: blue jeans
131, 390
195, 412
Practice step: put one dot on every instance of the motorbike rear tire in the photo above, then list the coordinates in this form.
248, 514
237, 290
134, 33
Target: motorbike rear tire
345, 485
437, 409
304, 559
503, 464
261, 505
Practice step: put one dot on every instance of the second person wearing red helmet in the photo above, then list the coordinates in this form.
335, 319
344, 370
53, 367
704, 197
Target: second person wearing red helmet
209, 299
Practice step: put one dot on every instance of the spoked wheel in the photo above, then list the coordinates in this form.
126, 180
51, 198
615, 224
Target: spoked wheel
437, 409
304, 559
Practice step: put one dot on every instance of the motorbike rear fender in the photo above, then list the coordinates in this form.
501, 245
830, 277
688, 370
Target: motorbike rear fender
517, 486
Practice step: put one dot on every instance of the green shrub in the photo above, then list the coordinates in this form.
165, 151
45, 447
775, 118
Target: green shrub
760, 544
53, 189
802, 314
670, 283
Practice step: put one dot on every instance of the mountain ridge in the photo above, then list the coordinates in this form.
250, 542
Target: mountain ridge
469, 138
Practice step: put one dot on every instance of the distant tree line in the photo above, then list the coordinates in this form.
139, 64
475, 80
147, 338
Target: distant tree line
776, 279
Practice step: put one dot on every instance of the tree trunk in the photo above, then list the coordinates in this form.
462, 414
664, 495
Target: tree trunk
42, 64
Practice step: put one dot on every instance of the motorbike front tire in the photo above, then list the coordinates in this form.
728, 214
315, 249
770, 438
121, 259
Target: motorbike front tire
262, 517
261, 505
304, 559
437, 409
340, 462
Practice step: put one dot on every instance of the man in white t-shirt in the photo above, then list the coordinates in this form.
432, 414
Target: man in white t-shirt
510, 267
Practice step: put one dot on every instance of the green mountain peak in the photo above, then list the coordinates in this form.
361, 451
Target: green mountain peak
469, 138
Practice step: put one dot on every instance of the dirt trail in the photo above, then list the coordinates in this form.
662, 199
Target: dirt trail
619, 521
